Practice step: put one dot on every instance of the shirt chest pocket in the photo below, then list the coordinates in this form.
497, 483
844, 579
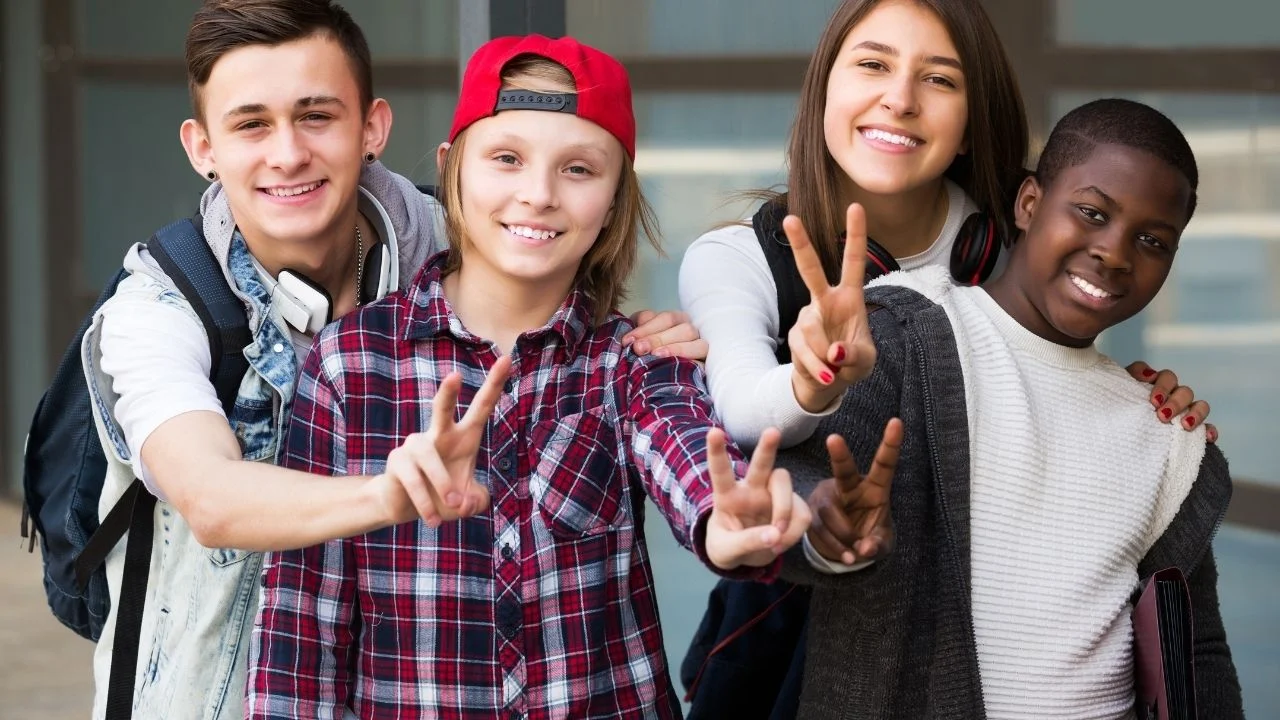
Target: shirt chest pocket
252, 419
577, 481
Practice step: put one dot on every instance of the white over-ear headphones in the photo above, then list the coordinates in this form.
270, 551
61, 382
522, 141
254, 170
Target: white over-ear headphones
307, 307
302, 303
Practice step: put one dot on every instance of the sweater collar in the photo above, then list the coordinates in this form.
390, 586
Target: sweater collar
1023, 340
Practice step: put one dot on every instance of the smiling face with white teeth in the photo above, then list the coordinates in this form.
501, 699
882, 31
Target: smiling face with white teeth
284, 127
1097, 244
896, 107
537, 188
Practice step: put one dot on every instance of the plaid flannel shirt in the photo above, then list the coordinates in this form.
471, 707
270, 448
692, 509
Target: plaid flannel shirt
542, 607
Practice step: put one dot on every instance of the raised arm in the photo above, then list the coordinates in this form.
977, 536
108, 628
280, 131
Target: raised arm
436, 468
755, 518
177, 438
736, 517
729, 293
180, 443
851, 510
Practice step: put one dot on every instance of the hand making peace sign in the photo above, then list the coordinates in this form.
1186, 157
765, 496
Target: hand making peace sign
831, 344
432, 474
756, 518
852, 521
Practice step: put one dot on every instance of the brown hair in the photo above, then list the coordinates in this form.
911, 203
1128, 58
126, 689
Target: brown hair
220, 26
996, 128
607, 266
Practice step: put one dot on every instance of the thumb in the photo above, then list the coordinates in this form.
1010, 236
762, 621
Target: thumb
727, 549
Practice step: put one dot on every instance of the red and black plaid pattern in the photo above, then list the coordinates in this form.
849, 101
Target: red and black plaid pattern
544, 606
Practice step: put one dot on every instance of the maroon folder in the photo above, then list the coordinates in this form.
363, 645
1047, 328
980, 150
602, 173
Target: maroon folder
1164, 675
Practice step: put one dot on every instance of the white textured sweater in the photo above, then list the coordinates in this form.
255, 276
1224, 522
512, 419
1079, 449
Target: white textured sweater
1073, 480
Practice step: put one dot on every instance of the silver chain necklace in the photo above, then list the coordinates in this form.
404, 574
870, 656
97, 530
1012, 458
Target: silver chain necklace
359, 265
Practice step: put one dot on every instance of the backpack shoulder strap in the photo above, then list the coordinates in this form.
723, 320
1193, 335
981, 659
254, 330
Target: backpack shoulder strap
792, 293
181, 251
183, 254
134, 510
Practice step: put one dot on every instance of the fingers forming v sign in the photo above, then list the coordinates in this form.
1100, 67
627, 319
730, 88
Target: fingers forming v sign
859, 519
754, 519
437, 468
831, 344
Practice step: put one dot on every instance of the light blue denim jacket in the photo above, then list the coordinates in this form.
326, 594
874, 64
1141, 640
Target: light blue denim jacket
201, 602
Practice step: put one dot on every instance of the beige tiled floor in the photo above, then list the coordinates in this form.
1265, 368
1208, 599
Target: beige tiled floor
44, 668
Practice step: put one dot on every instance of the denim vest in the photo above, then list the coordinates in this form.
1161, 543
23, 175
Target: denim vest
201, 602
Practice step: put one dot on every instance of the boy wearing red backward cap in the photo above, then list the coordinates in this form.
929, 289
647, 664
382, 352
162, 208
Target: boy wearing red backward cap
529, 595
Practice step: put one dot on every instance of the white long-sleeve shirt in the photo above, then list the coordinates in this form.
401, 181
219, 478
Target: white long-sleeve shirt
729, 293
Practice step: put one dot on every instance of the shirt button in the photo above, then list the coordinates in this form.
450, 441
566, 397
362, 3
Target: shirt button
510, 386
508, 552
504, 464
278, 347
509, 617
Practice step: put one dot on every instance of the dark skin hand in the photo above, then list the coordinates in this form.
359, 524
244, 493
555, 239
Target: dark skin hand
852, 521
1171, 399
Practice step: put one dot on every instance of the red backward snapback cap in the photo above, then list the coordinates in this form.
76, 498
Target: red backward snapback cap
603, 97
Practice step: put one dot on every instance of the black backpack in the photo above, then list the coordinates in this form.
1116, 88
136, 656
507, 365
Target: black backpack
64, 465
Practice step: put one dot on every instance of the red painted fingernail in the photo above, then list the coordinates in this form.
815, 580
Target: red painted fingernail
1159, 399
1148, 373
1166, 412
1188, 421
826, 377
839, 353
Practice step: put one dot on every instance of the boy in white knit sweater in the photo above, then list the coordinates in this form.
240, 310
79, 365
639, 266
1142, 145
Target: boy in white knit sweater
1032, 493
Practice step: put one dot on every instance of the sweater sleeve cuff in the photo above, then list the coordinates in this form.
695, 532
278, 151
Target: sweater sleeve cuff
824, 565
768, 573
